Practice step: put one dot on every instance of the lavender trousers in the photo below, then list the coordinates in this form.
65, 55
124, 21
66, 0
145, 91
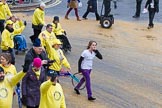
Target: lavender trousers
86, 77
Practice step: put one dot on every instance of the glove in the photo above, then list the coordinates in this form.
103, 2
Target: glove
157, 9
64, 32
18, 84
25, 23
24, 99
51, 61
25, 69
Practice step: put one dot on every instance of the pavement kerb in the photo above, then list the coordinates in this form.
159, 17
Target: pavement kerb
30, 7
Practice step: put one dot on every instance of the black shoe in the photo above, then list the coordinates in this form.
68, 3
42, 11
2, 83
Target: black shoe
77, 91
149, 27
84, 18
91, 98
24, 50
135, 16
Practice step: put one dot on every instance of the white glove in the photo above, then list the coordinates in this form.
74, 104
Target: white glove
144, 10
80, 4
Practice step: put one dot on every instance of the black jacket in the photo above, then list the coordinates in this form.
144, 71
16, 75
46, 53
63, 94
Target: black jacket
156, 5
30, 57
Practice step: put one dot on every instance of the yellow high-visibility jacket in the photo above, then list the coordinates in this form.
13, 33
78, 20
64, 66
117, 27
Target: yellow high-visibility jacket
4, 11
38, 17
49, 37
10, 69
52, 96
57, 30
54, 55
7, 40
7, 89
18, 27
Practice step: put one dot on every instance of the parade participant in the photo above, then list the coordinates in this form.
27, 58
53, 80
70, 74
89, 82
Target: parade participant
138, 9
5, 59
153, 7
52, 95
60, 33
107, 5
38, 21
4, 12
34, 52
19, 26
72, 4
85, 66
7, 44
55, 53
92, 7
7, 84
49, 35
31, 84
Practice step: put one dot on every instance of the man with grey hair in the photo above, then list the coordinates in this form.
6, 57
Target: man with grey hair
38, 21
34, 52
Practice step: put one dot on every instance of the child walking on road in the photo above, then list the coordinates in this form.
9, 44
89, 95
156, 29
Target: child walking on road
85, 66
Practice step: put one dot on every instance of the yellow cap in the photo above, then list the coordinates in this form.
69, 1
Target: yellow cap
57, 41
9, 22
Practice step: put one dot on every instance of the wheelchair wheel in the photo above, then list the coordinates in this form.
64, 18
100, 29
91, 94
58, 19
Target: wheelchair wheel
78, 76
106, 22
16, 52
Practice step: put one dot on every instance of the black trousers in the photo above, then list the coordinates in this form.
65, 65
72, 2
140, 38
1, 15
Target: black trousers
36, 34
151, 16
107, 5
87, 12
66, 43
2, 25
138, 7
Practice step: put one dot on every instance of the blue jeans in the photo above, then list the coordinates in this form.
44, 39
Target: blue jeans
20, 42
86, 77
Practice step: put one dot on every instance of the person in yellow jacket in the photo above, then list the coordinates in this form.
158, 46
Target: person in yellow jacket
7, 84
4, 12
55, 53
5, 60
52, 95
38, 21
19, 39
7, 44
50, 36
61, 34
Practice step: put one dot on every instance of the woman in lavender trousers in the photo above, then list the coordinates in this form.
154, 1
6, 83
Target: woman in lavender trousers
85, 66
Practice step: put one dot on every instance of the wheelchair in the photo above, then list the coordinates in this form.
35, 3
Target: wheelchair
18, 41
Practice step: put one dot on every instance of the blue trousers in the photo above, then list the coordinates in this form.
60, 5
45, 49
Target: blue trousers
20, 41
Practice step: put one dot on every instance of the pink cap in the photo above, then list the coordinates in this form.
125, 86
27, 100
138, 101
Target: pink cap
37, 62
